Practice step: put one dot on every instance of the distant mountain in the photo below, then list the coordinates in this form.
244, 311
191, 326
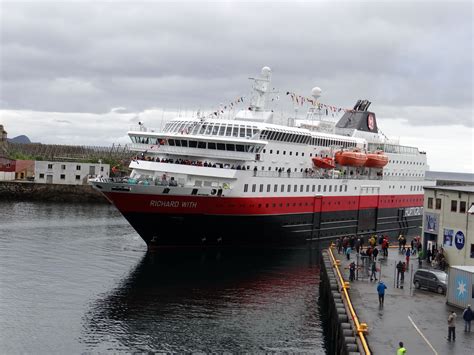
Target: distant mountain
19, 139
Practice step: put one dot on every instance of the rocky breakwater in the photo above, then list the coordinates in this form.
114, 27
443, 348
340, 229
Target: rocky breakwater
30, 191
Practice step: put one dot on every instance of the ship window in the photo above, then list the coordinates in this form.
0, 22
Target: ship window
249, 132
330, 188
211, 145
195, 129
291, 153
454, 205
307, 188
301, 188
228, 131
340, 188
268, 187
282, 188
246, 187
275, 188
324, 188
202, 145
295, 188
345, 188
209, 128
235, 131
314, 188
261, 188
319, 188
203, 128
184, 143
171, 142
222, 129
215, 129
239, 147
278, 152
192, 144
177, 142
288, 189
230, 147
254, 188
284, 152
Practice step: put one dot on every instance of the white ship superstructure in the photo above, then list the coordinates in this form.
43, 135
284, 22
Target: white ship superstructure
247, 181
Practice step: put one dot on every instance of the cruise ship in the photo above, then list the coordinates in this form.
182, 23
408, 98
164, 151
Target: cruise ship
248, 181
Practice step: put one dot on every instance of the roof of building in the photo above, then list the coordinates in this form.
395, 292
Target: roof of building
464, 268
462, 188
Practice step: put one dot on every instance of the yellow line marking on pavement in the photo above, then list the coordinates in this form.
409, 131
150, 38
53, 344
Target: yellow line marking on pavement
424, 338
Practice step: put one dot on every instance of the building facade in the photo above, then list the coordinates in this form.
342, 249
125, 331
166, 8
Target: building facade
11, 169
66, 173
448, 222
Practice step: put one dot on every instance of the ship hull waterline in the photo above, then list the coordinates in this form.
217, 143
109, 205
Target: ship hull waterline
180, 228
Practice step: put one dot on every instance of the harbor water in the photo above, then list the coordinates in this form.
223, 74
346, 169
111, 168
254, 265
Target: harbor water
77, 278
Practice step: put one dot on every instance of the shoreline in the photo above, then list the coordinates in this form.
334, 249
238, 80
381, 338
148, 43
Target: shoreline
34, 192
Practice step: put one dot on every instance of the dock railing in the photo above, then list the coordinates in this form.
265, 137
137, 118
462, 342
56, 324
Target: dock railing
361, 328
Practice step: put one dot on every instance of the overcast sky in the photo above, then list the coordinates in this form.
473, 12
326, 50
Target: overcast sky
77, 72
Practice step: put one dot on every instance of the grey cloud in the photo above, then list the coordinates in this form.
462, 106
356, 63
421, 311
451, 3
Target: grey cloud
87, 57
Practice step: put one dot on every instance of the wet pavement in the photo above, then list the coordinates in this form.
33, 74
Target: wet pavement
391, 324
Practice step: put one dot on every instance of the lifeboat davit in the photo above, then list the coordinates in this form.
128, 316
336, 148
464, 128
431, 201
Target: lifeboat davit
324, 163
376, 160
351, 158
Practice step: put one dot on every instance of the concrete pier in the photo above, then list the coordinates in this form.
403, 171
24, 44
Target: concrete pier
416, 317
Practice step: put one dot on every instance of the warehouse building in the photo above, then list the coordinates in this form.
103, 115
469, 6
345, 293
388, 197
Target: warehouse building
448, 222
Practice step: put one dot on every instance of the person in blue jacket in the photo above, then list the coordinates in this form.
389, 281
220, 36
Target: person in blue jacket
381, 291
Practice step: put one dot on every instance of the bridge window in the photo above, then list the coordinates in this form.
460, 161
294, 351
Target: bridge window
246, 187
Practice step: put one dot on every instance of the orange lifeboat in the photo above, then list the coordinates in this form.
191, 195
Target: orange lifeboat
351, 158
376, 160
324, 163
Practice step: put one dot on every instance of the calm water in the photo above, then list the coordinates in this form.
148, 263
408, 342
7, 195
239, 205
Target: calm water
78, 279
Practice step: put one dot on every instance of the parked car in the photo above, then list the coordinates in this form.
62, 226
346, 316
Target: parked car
434, 280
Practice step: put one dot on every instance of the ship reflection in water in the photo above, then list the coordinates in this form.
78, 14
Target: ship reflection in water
211, 301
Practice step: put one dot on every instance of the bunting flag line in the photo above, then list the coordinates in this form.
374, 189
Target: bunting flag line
301, 100
225, 107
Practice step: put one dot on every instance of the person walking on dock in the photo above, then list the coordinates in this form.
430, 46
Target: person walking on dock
352, 269
374, 271
407, 257
399, 270
468, 316
375, 252
381, 291
348, 252
452, 326
401, 350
